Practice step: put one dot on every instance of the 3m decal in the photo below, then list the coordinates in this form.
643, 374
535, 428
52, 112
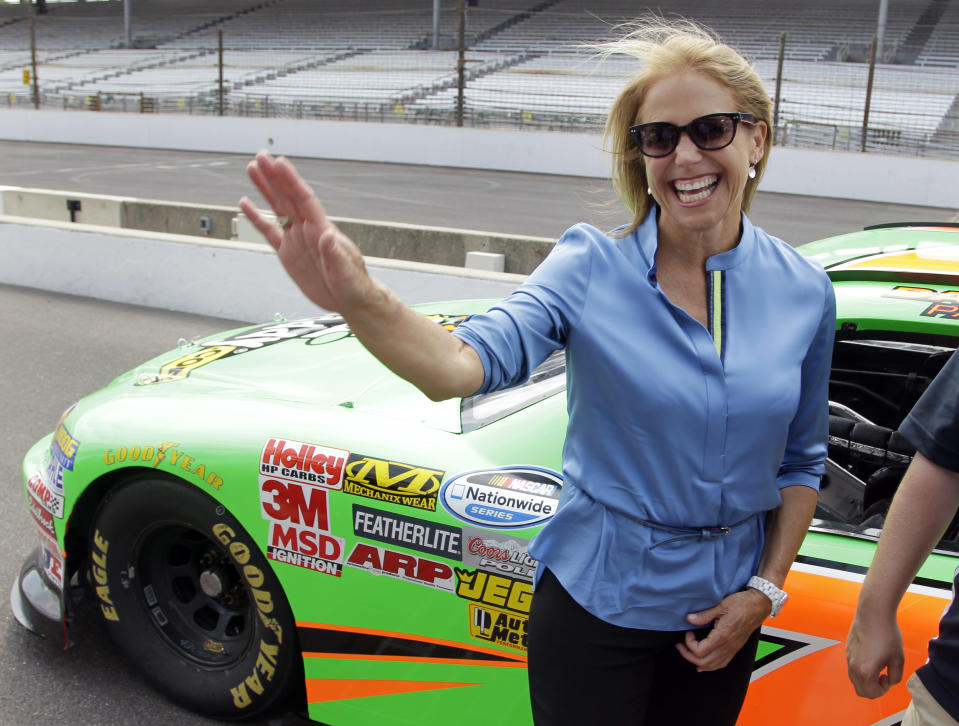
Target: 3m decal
167, 455
98, 571
499, 553
45, 496
508, 497
310, 463
415, 534
307, 548
287, 501
255, 339
492, 589
402, 566
392, 481
64, 447
498, 626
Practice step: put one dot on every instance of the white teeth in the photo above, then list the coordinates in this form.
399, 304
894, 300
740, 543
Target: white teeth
693, 191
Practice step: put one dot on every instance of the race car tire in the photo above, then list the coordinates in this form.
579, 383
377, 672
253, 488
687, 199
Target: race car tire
191, 601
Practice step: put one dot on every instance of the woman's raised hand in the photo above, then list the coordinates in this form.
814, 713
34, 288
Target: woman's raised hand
322, 261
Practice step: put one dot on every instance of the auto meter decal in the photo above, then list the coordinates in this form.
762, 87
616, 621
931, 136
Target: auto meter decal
499, 627
507, 497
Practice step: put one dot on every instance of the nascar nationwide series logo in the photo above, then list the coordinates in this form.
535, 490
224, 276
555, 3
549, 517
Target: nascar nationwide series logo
509, 497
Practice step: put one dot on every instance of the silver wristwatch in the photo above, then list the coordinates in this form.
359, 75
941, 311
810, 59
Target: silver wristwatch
776, 596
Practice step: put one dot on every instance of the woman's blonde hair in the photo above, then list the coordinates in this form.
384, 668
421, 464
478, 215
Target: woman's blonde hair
666, 47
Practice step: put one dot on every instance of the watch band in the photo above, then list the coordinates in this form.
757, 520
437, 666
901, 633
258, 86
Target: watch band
776, 596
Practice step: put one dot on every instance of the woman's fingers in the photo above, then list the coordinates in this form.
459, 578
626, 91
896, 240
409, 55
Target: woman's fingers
262, 173
265, 226
303, 202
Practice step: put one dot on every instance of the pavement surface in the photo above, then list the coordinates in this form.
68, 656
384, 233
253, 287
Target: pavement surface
58, 348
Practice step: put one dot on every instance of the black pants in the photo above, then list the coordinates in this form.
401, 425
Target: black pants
587, 672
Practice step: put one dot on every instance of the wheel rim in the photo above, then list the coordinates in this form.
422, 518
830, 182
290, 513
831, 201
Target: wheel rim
194, 596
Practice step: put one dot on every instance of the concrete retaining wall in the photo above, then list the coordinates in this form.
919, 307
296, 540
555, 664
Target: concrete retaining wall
228, 279
843, 175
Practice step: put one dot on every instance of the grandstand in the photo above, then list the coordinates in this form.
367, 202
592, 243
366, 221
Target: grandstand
528, 63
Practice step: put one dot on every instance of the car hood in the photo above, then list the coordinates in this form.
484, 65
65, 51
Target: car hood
894, 278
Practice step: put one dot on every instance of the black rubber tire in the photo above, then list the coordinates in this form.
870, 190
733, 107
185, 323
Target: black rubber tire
190, 600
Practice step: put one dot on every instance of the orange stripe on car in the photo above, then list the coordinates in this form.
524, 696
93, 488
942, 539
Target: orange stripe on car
321, 690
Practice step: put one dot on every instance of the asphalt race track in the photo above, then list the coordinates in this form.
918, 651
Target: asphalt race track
57, 348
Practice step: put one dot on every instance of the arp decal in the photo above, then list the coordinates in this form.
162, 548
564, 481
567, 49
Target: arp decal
507, 497
415, 534
498, 626
255, 339
499, 553
309, 463
402, 566
47, 498
166, 454
496, 590
392, 482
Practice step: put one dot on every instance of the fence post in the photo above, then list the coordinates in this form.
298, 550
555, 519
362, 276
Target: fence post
219, 37
461, 66
779, 80
865, 113
35, 89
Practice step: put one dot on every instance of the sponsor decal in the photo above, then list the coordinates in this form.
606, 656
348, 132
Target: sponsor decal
415, 534
307, 548
260, 337
287, 501
309, 463
265, 666
498, 553
42, 517
45, 496
500, 591
401, 565
52, 563
98, 571
166, 454
392, 482
941, 303
507, 497
64, 447
498, 626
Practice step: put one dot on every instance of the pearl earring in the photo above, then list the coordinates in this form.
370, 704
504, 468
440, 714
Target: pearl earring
649, 191
752, 171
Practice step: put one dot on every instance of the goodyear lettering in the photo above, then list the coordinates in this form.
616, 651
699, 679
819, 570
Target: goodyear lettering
265, 665
312, 463
288, 501
498, 626
381, 561
492, 589
165, 453
98, 570
392, 481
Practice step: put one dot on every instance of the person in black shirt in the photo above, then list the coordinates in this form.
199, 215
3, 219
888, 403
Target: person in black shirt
923, 507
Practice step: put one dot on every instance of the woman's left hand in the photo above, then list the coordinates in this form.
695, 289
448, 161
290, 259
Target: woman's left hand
734, 619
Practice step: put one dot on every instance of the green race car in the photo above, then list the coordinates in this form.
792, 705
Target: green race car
269, 519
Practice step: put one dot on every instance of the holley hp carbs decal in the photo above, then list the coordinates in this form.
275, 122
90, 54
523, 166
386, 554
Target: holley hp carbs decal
507, 497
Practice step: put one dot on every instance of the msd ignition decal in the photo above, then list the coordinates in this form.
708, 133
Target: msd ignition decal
299, 461
509, 497
402, 566
295, 478
941, 303
415, 534
207, 352
392, 482
497, 553
498, 626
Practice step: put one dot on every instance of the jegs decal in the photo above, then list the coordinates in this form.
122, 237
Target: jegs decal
506, 497
415, 534
402, 566
498, 626
392, 482
497, 590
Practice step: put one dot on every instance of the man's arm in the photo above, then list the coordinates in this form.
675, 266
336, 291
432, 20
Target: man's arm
921, 510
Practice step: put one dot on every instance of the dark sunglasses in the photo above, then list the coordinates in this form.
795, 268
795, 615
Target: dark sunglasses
710, 132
